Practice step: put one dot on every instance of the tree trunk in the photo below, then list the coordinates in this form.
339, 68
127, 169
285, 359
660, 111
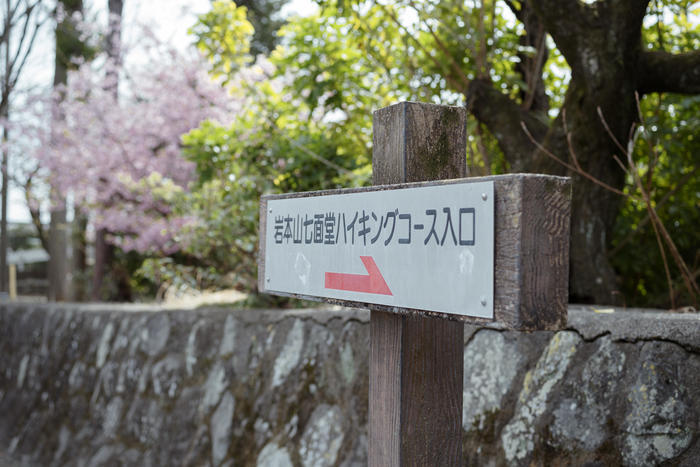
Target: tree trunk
58, 240
579, 138
58, 235
58, 253
103, 255
103, 250
3, 218
68, 46
22, 21
602, 44
5, 112
79, 266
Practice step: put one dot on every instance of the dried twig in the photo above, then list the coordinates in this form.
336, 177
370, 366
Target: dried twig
609, 131
569, 142
689, 176
581, 172
690, 283
453, 63
632, 170
534, 76
482, 148
456, 84
659, 229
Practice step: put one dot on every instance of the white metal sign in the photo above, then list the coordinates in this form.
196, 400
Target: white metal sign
428, 248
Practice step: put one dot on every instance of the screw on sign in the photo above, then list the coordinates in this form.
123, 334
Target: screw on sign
426, 250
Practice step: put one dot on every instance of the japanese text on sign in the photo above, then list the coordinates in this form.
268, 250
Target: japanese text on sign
368, 227
426, 247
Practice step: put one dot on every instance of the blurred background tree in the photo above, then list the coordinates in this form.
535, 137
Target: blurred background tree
606, 92
548, 91
20, 23
266, 19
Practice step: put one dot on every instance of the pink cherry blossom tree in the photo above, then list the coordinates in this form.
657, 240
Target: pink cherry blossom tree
118, 156
104, 148
116, 152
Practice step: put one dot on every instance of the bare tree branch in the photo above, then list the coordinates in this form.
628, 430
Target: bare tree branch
35, 31
531, 66
34, 210
456, 84
29, 21
502, 116
659, 227
667, 72
564, 20
574, 168
575, 25
658, 205
453, 64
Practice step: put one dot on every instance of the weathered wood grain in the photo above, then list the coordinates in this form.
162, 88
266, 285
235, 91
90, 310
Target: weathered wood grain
417, 142
416, 361
384, 389
531, 251
261, 243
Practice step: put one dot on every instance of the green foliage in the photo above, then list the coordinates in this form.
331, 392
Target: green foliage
670, 27
265, 17
336, 67
355, 57
265, 150
223, 36
308, 124
668, 153
276, 144
22, 237
70, 45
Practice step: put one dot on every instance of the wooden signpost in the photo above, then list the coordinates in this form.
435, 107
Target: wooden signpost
425, 253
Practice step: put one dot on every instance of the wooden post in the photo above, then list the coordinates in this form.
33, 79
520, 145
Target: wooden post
417, 355
416, 362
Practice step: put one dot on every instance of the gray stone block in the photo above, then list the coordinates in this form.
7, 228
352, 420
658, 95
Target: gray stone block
130, 385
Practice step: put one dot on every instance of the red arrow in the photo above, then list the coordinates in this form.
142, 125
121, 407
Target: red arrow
372, 283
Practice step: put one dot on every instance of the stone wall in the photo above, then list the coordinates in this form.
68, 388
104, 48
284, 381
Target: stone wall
88, 385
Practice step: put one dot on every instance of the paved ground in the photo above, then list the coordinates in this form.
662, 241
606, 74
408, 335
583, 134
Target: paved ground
194, 299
